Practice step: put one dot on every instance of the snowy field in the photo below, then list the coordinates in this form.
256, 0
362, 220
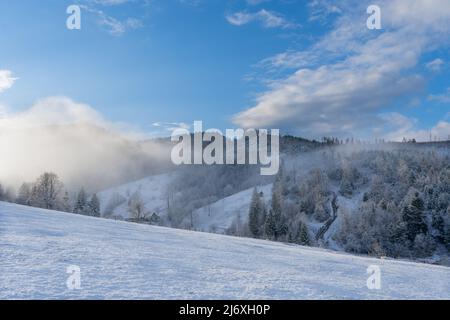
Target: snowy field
120, 260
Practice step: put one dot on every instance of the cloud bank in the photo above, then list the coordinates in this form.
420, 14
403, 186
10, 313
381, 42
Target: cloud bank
73, 140
344, 83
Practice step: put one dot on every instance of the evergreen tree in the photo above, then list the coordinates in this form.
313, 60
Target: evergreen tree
2, 193
270, 228
277, 224
346, 187
66, 202
94, 206
81, 205
282, 227
254, 214
413, 215
302, 236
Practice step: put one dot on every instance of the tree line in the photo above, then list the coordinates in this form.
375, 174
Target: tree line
48, 192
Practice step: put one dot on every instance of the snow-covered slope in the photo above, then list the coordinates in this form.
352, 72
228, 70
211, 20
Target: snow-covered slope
219, 216
152, 190
120, 260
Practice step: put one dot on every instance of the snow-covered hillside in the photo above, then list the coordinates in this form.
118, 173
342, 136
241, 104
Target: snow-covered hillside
152, 190
219, 216
120, 260
216, 217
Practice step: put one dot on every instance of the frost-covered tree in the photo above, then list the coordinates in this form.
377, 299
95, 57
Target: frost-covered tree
424, 245
66, 206
253, 215
47, 192
6, 194
257, 215
94, 206
136, 206
2, 193
24, 194
81, 203
346, 187
302, 236
320, 212
413, 215
270, 227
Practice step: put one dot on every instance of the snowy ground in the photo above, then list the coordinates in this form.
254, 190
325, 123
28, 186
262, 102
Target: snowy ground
120, 260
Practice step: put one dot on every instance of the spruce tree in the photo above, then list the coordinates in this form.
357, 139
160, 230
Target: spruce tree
81, 203
277, 219
2, 193
65, 202
414, 217
302, 236
94, 206
270, 226
253, 216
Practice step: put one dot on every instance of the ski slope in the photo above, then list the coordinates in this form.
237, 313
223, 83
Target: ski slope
120, 260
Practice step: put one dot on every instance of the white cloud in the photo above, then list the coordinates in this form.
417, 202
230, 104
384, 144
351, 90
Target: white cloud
435, 65
322, 9
441, 98
269, 19
165, 128
74, 141
351, 75
399, 127
6, 80
116, 27
113, 25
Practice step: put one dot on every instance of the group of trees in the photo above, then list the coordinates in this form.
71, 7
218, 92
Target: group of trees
48, 192
5, 194
85, 206
274, 223
405, 211
393, 202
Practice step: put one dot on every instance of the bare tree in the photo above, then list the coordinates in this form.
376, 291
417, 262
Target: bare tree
136, 206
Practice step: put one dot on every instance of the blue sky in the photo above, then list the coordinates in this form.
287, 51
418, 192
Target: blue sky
309, 68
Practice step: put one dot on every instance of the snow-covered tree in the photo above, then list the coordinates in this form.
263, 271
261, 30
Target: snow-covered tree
424, 245
270, 227
94, 206
136, 206
47, 192
257, 215
6, 194
413, 215
24, 194
302, 236
2, 193
81, 203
